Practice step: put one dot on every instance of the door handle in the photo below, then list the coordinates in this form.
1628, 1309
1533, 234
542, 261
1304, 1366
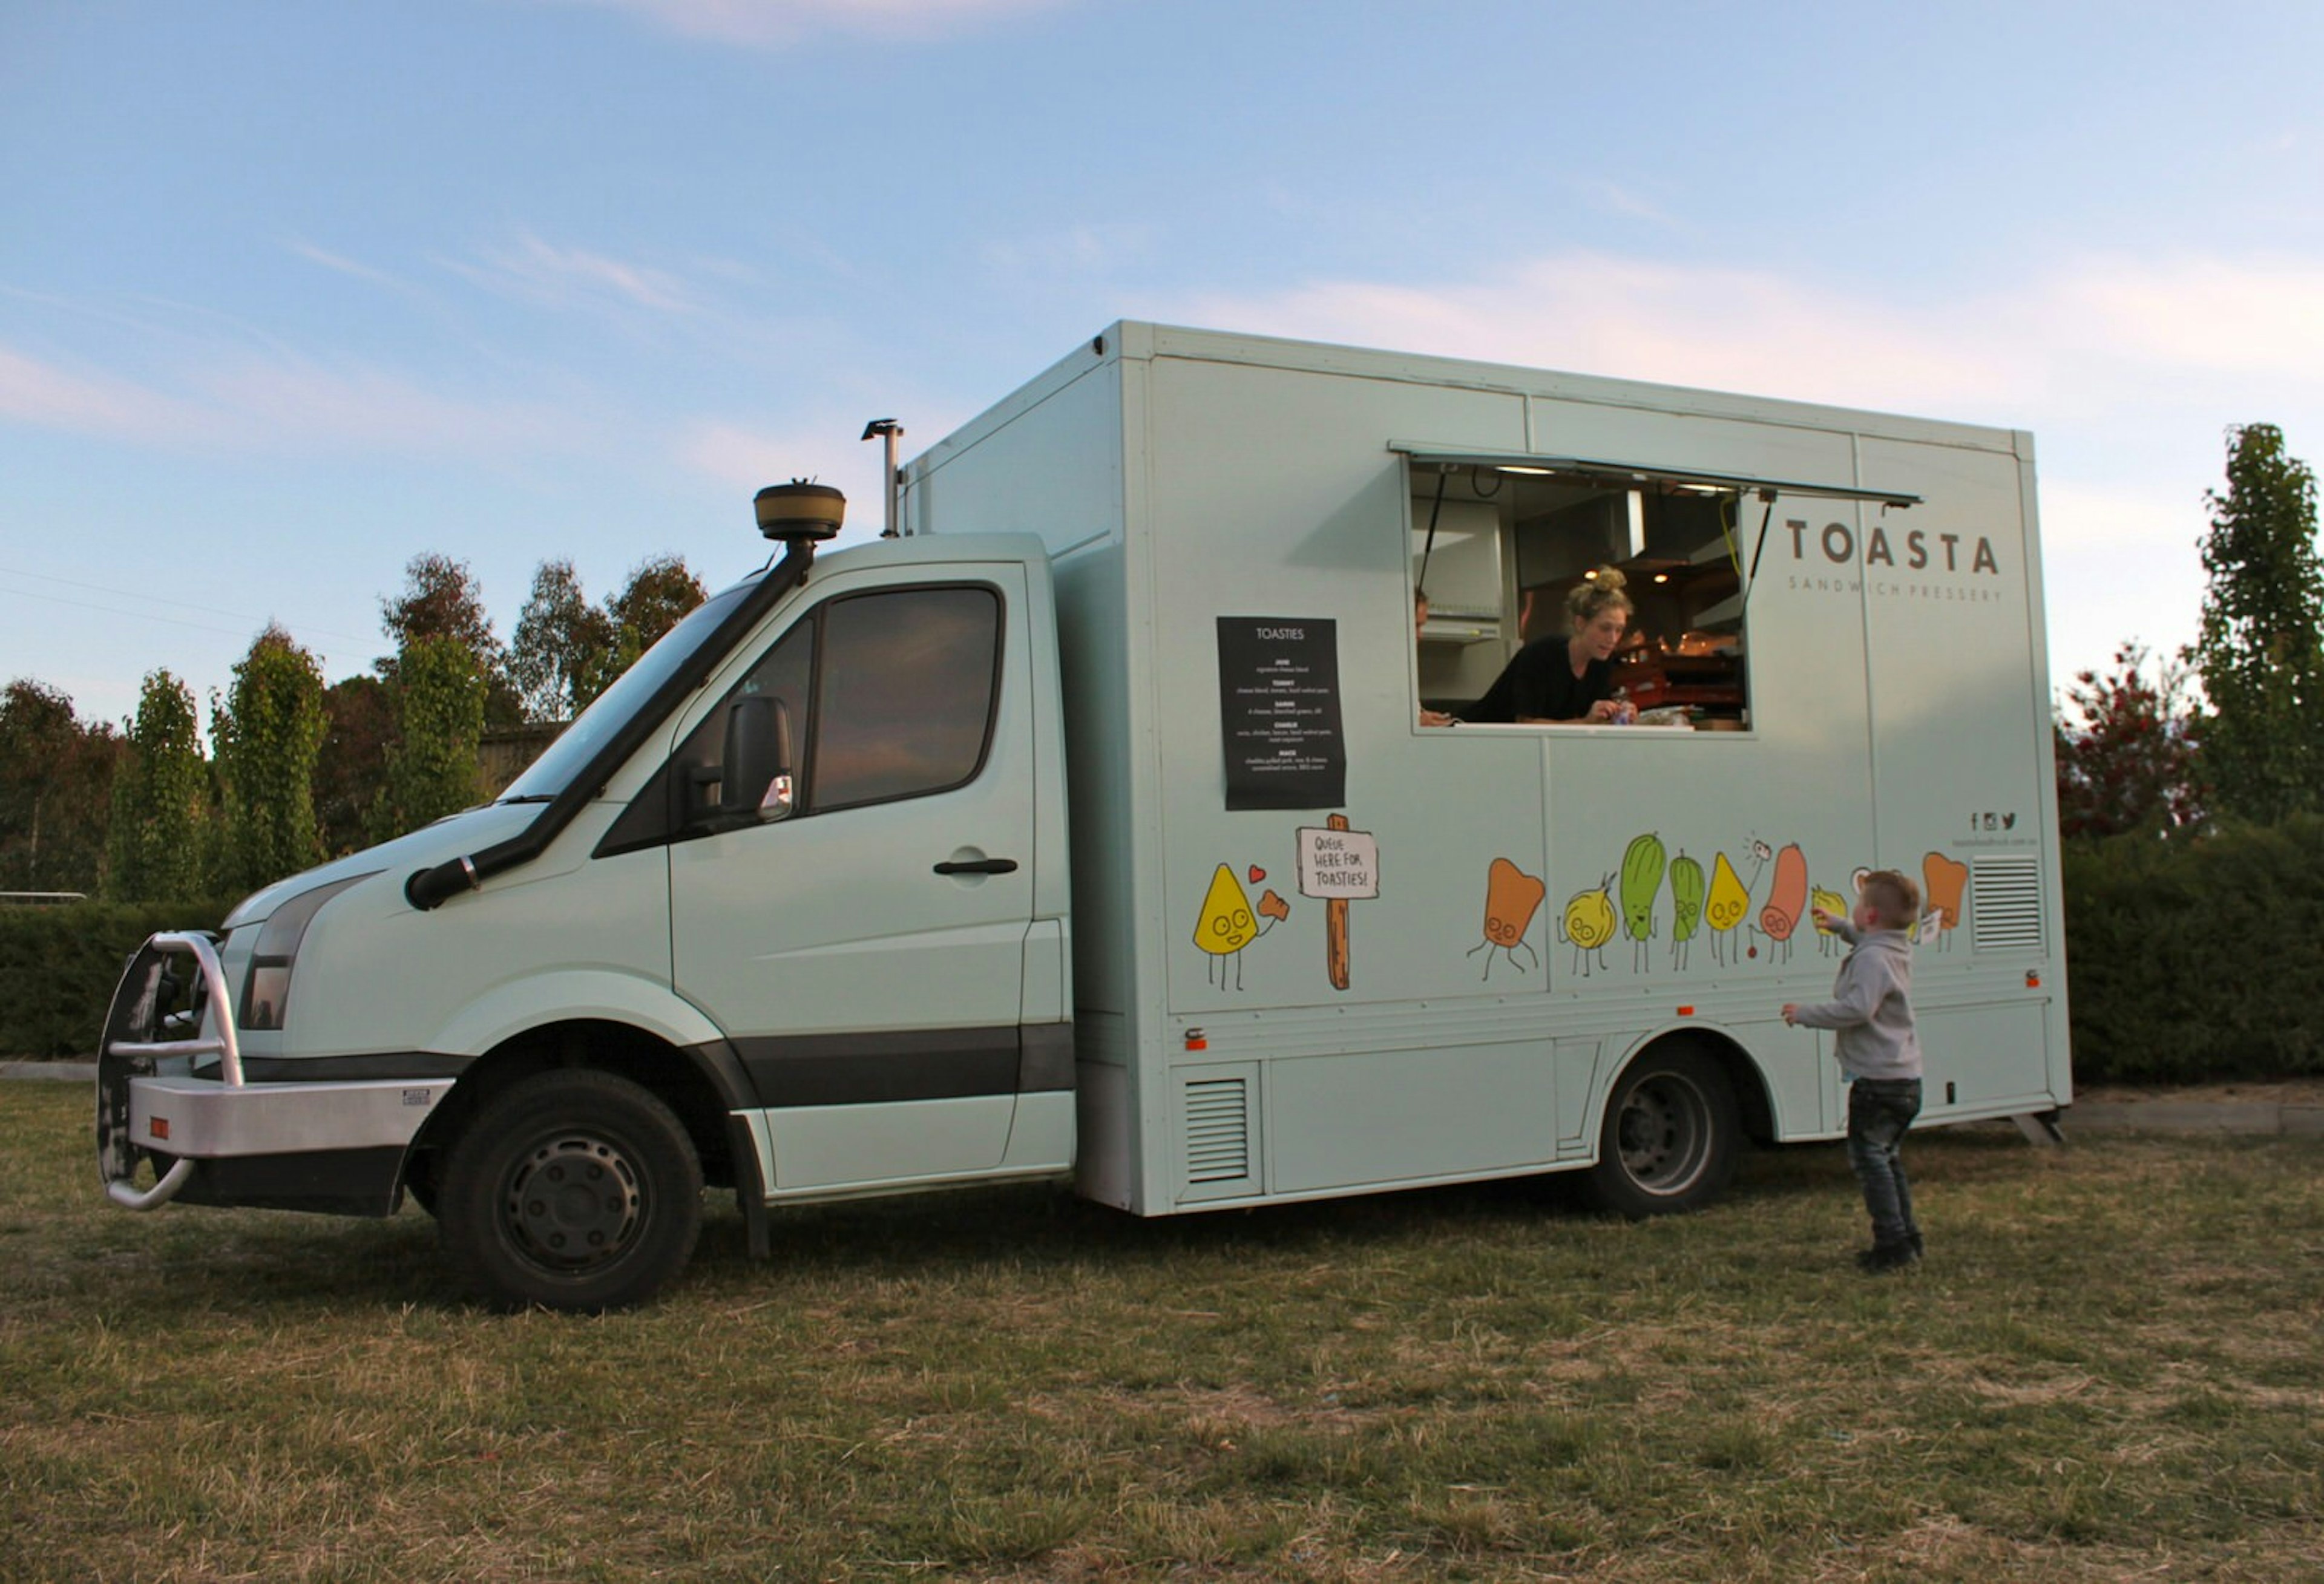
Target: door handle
980, 866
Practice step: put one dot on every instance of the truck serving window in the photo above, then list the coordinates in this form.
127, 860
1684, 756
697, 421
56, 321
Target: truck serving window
1499, 541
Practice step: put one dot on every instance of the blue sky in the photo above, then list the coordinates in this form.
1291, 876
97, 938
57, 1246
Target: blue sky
291, 292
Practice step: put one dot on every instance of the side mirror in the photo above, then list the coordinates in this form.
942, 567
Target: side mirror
754, 780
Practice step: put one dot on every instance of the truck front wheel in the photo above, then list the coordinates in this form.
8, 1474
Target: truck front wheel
1670, 1136
576, 1189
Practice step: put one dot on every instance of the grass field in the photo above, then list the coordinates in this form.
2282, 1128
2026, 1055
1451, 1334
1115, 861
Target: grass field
2109, 1367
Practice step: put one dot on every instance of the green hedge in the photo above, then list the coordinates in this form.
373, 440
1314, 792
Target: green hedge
2191, 962
58, 967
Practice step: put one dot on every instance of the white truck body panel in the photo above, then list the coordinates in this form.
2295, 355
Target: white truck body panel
1898, 718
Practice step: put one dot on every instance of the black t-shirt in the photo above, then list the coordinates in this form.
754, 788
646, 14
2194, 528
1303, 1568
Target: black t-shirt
1539, 684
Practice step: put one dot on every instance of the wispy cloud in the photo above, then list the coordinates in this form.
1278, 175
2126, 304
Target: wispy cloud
43, 395
346, 266
2086, 337
532, 270
277, 404
764, 24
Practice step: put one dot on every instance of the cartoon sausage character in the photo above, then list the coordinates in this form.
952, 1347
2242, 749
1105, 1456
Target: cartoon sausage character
1788, 899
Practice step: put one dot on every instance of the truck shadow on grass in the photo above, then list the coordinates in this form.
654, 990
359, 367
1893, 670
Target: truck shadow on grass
246, 1261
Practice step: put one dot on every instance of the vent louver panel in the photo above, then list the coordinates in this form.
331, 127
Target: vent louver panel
1218, 1130
2006, 903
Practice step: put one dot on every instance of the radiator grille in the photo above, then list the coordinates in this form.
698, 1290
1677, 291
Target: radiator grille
1218, 1130
2006, 903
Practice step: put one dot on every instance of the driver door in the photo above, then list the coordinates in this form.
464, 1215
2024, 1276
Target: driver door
865, 955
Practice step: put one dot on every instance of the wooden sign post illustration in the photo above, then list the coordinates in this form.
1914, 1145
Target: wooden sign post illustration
1338, 866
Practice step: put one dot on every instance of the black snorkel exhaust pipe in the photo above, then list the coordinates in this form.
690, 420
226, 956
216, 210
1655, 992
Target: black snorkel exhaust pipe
801, 515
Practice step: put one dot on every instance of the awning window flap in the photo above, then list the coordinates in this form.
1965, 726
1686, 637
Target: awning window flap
1599, 474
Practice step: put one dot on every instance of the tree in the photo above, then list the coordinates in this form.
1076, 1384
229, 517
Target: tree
567, 651
441, 599
431, 767
2128, 761
661, 592
161, 802
359, 721
56, 787
561, 644
268, 736
2261, 649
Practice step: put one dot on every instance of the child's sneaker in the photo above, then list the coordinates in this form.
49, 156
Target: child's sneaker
1881, 1257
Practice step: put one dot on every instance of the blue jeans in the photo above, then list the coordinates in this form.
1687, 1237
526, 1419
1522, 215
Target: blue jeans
1879, 1110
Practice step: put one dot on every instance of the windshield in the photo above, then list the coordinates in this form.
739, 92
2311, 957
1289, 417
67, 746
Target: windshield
579, 741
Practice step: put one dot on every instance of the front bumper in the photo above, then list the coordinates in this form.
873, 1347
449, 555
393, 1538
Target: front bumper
336, 1146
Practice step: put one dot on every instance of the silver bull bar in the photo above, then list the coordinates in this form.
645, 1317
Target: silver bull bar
130, 1049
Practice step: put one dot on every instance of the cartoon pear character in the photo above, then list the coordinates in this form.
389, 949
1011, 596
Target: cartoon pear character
1686, 906
1642, 876
1726, 905
1589, 922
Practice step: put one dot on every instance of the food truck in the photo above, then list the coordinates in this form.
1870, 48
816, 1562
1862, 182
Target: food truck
1085, 823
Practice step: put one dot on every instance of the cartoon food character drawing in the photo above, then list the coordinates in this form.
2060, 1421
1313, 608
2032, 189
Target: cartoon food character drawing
1642, 876
1788, 899
1589, 924
1686, 906
1228, 924
1831, 902
1945, 883
1727, 903
1512, 898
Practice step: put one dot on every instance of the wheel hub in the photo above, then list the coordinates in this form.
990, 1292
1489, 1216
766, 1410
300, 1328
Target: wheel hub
573, 1202
1663, 1135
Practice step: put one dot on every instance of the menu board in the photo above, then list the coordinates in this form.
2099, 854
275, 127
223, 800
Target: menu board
1279, 712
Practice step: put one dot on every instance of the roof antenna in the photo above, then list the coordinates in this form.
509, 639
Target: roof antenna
890, 430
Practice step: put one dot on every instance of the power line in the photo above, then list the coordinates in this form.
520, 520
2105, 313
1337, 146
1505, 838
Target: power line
124, 593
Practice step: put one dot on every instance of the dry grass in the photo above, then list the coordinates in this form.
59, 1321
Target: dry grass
2109, 1368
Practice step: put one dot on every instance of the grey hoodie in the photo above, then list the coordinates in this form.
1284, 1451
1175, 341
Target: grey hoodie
1871, 1007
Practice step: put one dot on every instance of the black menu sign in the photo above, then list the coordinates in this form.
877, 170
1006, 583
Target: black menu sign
1279, 712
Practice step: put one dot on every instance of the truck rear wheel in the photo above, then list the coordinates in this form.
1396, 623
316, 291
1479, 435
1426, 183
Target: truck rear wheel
1670, 1138
576, 1189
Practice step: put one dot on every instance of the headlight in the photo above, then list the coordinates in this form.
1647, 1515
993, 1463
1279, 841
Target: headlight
266, 988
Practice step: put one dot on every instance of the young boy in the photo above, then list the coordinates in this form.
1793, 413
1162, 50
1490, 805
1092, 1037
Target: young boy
1871, 1013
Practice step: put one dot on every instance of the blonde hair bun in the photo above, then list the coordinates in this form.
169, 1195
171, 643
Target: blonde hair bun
1600, 592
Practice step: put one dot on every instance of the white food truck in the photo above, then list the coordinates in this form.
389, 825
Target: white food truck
1086, 822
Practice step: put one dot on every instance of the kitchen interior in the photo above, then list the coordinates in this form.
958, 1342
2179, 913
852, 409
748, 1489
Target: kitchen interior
1498, 546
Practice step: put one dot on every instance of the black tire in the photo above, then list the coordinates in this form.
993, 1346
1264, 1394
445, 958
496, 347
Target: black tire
576, 1189
1670, 1139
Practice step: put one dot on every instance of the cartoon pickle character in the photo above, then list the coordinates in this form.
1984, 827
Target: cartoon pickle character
1728, 902
1686, 906
1226, 924
1944, 885
1589, 923
1512, 898
1830, 902
1642, 876
1788, 899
